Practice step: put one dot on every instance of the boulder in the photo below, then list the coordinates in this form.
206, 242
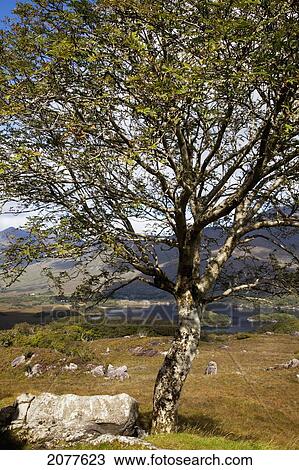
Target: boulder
211, 368
6, 415
53, 418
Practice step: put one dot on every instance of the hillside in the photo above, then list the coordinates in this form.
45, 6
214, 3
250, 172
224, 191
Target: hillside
243, 406
34, 280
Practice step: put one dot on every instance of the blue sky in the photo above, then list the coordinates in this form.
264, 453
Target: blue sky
6, 7
6, 220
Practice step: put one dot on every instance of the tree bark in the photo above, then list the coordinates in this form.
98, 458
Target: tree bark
176, 366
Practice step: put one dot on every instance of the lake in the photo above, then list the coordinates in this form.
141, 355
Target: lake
147, 315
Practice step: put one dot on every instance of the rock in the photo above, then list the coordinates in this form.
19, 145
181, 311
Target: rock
36, 370
18, 361
6, 415
295, 333
120, 373
297, 375
293, 363
71, 366
155, 343
286, 365
125, 440
270, 333
52, 418
98, 371
21, 407
244, 351
140, 351
211, 368
223, 346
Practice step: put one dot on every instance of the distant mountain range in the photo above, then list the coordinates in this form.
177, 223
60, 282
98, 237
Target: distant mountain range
33, 281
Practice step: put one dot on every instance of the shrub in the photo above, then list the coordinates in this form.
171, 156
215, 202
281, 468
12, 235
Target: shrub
286, 326
243, 336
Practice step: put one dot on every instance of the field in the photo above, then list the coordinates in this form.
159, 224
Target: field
244, 406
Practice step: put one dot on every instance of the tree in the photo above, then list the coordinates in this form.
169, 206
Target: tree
179, 113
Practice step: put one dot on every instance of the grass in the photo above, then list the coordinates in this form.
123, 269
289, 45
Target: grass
189, 441
244, 406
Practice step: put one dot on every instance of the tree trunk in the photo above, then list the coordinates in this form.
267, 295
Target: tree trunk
176, 367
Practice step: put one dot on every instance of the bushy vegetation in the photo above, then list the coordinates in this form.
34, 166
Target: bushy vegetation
286, 326
272, 317
215, 319
68, 335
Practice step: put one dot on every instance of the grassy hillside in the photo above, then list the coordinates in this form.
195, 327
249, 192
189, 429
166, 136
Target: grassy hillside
244, 406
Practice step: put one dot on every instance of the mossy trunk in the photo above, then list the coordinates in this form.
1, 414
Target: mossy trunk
176, 366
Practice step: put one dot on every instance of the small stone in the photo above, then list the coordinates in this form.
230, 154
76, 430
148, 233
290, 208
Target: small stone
154, 343
269, 333
71, 366
34, 371
120, 373
296, 333
140, 351
18, 361
98, 371
211, 368
286, 365
293, 363
224, 346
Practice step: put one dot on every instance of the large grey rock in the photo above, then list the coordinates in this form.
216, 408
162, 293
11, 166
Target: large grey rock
52, 418
6, 415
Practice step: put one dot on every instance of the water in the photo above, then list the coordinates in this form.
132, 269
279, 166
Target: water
146, 315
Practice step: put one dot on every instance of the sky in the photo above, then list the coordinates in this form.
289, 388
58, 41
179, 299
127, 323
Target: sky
6, 7
7, 220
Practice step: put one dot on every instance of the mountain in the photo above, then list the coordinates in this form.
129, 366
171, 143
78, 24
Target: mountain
34, 281
11, 233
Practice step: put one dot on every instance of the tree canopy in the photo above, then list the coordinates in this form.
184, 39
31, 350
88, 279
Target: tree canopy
180, 114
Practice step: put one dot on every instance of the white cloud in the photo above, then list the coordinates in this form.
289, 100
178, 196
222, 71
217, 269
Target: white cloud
12, 220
